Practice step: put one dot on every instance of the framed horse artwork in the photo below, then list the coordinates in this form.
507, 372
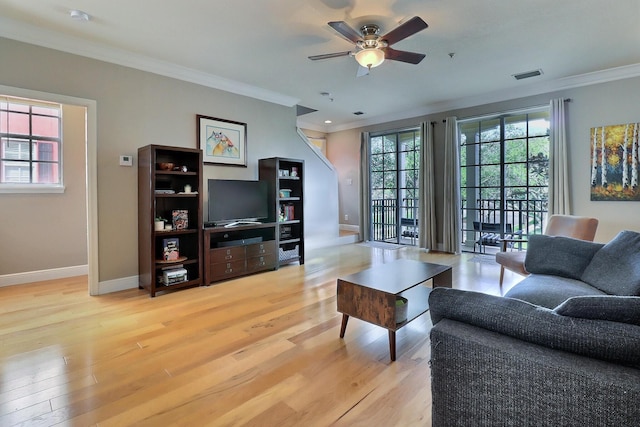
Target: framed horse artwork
223, 142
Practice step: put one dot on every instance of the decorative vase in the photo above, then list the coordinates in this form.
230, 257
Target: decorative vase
159, 225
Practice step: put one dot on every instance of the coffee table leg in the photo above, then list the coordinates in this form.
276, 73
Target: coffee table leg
392, 345
345, 319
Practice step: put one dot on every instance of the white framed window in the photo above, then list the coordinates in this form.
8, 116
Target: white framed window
30, 146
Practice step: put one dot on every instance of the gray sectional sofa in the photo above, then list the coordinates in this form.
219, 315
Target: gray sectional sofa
561, 348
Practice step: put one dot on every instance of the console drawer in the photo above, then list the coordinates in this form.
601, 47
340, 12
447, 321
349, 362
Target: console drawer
261, 248
261, 262
225, 270
231, 253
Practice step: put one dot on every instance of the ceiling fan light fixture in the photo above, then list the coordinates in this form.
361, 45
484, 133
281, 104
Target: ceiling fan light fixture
370, 57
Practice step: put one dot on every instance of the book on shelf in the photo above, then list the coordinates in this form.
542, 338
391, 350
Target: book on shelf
180, 219
170, 249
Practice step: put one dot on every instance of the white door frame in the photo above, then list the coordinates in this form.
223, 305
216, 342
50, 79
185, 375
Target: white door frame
91, 149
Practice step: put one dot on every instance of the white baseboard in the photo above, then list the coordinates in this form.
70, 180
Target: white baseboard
116, 285
40, 275
348, 227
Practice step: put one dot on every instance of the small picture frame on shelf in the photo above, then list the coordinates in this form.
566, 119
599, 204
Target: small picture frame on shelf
180, 219
223, 142
170, 249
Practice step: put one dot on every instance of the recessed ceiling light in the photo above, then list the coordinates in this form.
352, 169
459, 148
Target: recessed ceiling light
78, 15
327, 121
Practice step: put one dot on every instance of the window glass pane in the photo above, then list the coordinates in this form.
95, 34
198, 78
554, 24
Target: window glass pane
490, 130
15, 172
409, 160
376, 145
45, 173
539, 147
45, 150
376, 162
46, 111
515, 150
515, 193
389, 144
13, 106
515, 174
390, 161
411, 179
17, 123
407, 141
539, 123
15, 149
376, 180
490, 193
515, 127
539, 173
45, 126
390, 180
490, 153
490, 175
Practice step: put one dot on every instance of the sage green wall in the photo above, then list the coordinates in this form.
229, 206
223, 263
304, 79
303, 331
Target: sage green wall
600, 104
136, 108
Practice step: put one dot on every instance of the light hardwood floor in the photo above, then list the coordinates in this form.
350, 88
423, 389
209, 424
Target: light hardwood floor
258, 351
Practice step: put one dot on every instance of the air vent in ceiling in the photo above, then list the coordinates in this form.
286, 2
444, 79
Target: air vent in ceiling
358, 113
527, 74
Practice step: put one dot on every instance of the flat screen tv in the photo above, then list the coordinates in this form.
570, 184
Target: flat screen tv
234, 202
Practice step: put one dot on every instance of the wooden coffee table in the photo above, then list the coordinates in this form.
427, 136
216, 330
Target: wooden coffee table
371, 294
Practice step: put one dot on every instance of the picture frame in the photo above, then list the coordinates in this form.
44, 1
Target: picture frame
223, 142
615, 163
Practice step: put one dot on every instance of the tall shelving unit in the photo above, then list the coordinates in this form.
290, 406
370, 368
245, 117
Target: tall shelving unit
161, 191
285, 179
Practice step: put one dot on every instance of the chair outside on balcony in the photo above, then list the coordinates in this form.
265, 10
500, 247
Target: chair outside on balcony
491, 234
577, 227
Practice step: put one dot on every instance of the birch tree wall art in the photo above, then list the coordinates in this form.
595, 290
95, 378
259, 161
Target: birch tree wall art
615, 158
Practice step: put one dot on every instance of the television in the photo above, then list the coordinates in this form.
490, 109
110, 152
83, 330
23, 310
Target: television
233, 202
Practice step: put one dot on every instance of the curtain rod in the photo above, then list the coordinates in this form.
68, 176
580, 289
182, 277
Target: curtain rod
506, 112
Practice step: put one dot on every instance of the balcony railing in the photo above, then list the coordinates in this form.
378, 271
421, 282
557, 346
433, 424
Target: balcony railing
510, 218
385, 226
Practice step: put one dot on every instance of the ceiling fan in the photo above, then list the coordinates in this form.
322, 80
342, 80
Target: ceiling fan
372, 49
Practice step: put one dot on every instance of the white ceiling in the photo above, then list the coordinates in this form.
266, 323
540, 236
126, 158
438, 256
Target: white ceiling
259, 48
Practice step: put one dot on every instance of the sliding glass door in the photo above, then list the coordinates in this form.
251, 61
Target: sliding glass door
394, 169
504, 177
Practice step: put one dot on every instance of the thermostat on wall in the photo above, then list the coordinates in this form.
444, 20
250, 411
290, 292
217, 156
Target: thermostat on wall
126, 160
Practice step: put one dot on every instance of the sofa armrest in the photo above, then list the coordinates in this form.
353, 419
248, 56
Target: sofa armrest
600, 339
479, 377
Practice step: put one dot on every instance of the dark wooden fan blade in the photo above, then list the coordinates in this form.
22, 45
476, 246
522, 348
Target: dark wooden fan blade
344, 29
405, 30
404, 56
329, 55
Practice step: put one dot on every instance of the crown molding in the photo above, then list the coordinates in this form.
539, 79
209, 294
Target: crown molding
27, 33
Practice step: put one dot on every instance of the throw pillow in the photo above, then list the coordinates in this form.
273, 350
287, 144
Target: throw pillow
615, 269
559, 256
623, 309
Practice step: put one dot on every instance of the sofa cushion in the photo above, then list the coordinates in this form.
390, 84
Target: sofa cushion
624, 309
550, 291
614, 342
615, 269
559, 256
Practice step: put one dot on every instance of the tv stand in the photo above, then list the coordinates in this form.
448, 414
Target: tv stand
237, 223
239, 251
